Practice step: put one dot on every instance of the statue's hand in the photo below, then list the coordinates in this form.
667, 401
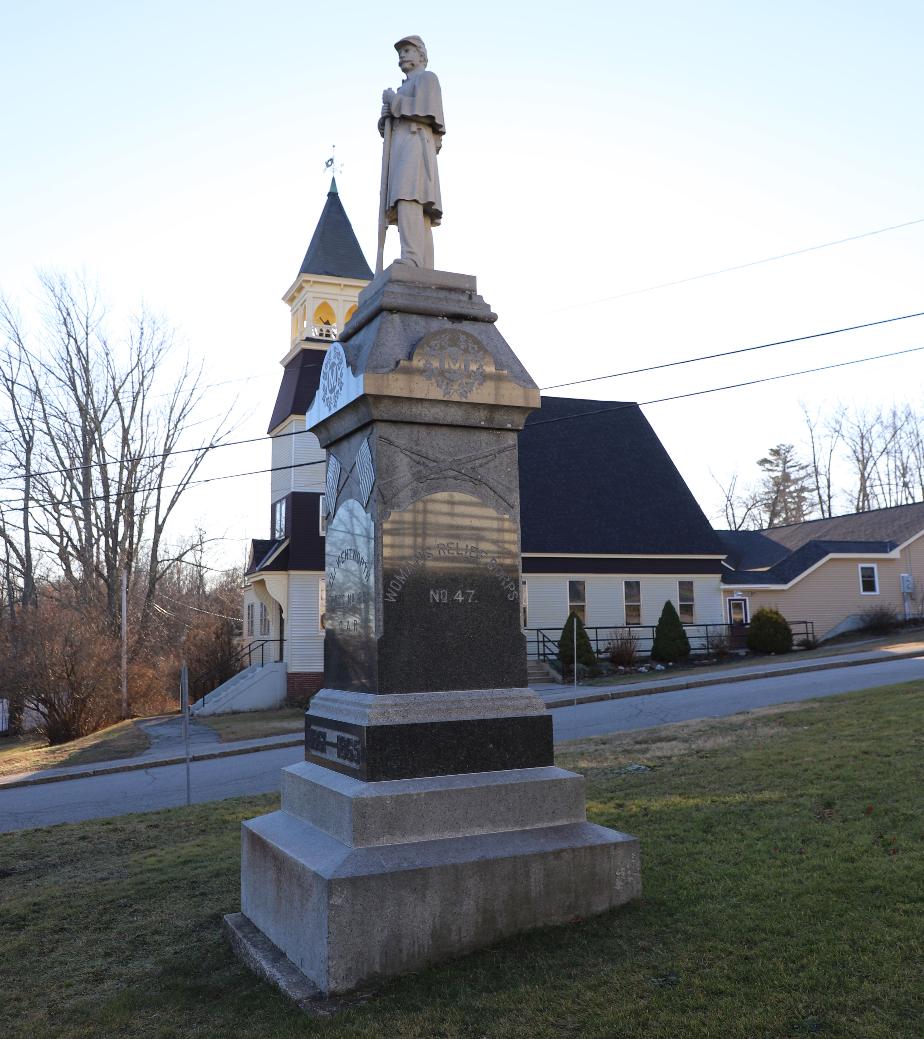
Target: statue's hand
386, 111
388, 96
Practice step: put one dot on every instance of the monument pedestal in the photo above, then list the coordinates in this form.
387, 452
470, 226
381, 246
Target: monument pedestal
355, 881
428, 819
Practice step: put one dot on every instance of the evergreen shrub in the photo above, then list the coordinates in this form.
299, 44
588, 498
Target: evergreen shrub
769, 632
585, 653
670, 641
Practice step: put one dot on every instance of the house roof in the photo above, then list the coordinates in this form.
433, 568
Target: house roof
779, 555
334, 250
595, 479
263, 555
806, 556
300, 380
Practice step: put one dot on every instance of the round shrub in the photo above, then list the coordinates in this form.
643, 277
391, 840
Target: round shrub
769, 632
670, 641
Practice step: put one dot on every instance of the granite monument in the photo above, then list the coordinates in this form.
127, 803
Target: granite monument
428, 818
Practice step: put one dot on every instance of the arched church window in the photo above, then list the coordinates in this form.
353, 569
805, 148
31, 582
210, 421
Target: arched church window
324, 323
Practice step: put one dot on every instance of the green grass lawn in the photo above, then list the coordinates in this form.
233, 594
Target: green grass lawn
249, 725
783, 897
32, 753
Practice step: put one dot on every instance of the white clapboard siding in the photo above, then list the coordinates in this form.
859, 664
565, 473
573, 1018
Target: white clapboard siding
305, 642
305, 448
604, 600
294, 450
547, 601
605, 604
709, 600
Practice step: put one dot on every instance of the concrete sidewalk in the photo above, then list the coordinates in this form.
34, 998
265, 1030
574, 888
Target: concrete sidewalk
167, 742
556, 695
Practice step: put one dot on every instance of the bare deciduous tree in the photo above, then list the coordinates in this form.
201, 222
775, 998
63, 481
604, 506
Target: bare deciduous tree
93, 444
824, 438
93, 459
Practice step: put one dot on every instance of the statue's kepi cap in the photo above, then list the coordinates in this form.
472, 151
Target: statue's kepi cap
415, 40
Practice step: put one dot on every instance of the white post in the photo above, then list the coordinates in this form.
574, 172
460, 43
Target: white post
124, 642
184, 706
574, 630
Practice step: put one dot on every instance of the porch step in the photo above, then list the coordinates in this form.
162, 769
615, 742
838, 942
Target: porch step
536, 671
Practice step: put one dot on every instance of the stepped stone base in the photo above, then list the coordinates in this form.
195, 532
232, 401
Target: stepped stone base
354, 881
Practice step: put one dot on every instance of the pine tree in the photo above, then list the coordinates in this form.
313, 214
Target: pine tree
785, 493
670, 642
585, 653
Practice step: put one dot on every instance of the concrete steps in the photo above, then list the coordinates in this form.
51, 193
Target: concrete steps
255, 688
536, 671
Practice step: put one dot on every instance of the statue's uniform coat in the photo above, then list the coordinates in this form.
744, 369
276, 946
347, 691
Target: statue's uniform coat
417, 135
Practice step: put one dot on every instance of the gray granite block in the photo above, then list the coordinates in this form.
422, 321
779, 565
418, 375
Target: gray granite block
349, 916
365, 814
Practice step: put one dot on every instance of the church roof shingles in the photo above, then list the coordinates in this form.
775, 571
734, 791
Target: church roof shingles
334, 250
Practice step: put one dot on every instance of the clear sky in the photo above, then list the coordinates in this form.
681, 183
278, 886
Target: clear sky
175, 153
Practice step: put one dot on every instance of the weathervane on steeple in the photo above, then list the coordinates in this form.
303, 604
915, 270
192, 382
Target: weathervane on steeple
332, 164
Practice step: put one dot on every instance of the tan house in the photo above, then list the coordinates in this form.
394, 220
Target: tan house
828, 571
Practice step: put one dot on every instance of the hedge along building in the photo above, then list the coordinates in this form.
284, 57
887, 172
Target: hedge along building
609, 528
284, 582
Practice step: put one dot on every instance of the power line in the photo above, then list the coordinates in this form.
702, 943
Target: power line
730, 353
560, 418
211, 613
560, 385
744, 266
720, 389
173, 486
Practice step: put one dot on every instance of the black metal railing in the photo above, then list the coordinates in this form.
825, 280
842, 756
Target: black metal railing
257, 653
705, 639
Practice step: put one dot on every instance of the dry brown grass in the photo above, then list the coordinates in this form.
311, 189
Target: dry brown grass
32, 753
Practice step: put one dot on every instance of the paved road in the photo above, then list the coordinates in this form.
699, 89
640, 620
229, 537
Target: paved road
642, 712
100, 796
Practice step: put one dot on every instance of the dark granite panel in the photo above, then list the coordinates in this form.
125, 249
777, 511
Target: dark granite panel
450, 598
412, 751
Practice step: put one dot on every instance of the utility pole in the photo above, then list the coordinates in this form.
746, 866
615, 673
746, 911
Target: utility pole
124, 642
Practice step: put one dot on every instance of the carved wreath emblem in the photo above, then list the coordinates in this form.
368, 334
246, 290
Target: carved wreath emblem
332, 376
454, 360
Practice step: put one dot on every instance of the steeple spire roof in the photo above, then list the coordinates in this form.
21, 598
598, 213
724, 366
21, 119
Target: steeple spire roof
334, 250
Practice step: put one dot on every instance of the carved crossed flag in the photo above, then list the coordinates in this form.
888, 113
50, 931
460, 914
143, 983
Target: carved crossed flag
469, 467
365, 470
333, 483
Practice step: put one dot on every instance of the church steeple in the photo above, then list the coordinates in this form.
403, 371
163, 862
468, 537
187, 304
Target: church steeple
323, 296
334, 250
321, 300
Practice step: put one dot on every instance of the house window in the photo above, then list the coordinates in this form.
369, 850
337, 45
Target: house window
322, 517
869, 579
576, 600
264, 620
632, 593
322, 603
250, 618
524, 601
279, 518
685, 601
